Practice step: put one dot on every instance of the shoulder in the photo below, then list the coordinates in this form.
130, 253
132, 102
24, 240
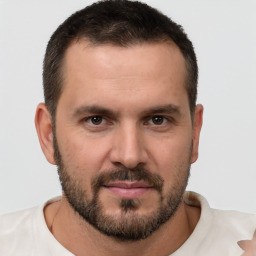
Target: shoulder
218, 231
234, 218
16, 231
240, 222
15, 218
25, 232
234, 224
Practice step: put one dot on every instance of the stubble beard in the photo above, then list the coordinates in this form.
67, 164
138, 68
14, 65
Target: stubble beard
129, 225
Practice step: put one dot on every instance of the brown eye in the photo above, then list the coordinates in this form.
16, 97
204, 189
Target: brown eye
95, 120
158, 120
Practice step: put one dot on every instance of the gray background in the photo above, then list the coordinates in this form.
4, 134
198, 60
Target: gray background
224, 36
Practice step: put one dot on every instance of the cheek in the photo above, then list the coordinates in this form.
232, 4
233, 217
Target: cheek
173, 162
170, 154
81, 153
81, 159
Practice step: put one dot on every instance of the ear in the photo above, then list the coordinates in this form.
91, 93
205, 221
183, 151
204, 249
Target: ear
44, 131
197, 125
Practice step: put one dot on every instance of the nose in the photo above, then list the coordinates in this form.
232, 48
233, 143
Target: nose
128, 148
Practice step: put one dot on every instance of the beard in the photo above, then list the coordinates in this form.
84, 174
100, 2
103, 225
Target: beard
129, 225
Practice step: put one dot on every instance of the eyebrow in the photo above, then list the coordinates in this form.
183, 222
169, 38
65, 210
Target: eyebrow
93, 109
163, 109
96, 109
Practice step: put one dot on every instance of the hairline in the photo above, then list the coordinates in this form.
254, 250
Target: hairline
90, 43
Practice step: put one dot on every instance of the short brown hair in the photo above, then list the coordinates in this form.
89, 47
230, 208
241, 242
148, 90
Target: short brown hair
116, 22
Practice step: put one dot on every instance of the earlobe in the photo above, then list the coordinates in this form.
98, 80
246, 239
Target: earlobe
197, 125
44, 131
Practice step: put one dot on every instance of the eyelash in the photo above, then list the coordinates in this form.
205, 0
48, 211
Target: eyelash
163, 118
148, 121
89, 119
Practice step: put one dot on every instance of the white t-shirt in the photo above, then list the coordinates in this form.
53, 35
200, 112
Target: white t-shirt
25, 233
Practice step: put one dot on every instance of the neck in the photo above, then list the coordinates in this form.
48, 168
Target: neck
82, 239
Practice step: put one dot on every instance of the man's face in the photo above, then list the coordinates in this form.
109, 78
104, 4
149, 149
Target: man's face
124, 135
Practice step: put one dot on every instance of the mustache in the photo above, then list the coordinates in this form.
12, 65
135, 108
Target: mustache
125, 174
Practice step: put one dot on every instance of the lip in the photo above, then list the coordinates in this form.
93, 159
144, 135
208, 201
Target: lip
128, 189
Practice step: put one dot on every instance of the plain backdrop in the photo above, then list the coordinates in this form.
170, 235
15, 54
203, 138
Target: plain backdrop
224, 36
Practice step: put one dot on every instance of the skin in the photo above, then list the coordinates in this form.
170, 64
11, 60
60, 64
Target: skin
134, 84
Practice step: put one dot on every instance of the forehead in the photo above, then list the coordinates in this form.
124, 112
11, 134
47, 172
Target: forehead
107, 60
132, 73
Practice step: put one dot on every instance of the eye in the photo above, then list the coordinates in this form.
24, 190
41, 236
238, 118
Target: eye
157, 120
96, 120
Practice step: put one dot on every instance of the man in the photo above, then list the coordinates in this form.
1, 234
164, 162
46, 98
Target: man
120, 121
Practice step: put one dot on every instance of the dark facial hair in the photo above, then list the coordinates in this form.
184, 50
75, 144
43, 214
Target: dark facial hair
130, 225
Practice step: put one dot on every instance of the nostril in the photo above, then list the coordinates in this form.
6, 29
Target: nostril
126, 160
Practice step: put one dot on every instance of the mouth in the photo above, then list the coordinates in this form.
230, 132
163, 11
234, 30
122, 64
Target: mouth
128, 189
